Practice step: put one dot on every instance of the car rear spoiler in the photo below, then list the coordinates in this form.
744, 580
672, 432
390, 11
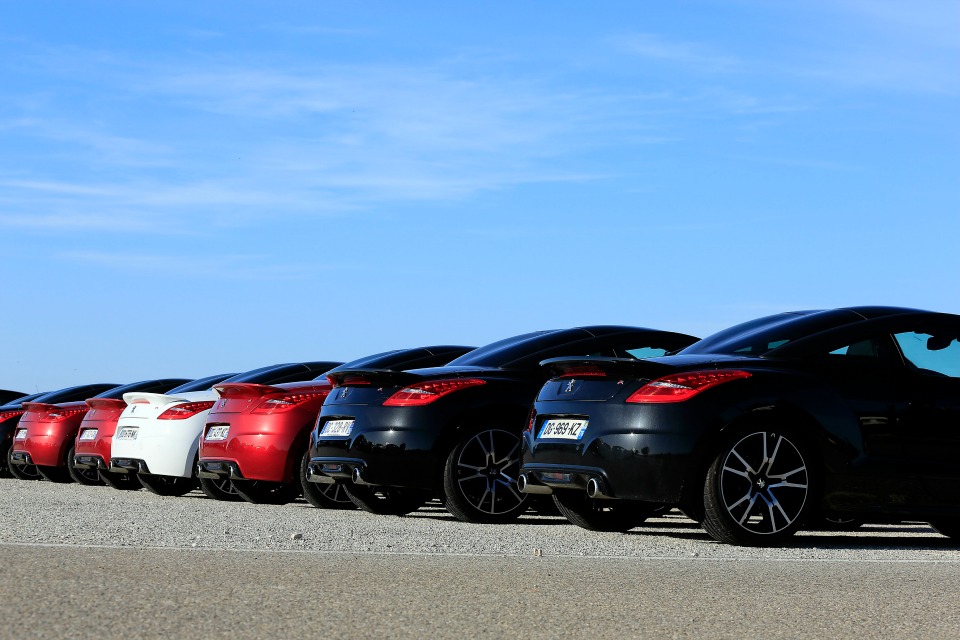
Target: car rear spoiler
106, 403
38, 406
589, 366
159, 399
371, 377
246, 390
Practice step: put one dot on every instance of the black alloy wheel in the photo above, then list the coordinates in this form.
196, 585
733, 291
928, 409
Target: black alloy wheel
759, 489
322, 496
88, 477
220, 489
480, 478
603, 515
264, 492
386, 501
167, 485
121, 481
22, 471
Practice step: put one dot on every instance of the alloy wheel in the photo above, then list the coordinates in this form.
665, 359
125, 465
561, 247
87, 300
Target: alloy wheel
483, 475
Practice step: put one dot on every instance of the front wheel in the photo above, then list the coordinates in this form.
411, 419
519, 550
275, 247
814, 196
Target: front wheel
167, 485
263, 492
323, 496
758, 489
480, 478
386, 501
603, 515
82, 476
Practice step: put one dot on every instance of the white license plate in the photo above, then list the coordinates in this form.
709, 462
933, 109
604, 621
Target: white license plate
218, 433
21, 434
337, 428
128, 433
563, 429
88, 434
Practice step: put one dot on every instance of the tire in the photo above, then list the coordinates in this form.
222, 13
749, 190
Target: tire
480, 478
4, 463
263, 492
322, 496
88, 477
603, 515
220, 489
543, 505
949, 527
386, 501
121, 481
60, 475
22, 472
740, 504
167, 485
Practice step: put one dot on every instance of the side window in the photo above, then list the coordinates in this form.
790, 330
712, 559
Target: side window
641, 353
864, 348
931, 354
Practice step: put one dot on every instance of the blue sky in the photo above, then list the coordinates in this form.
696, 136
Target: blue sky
195, 187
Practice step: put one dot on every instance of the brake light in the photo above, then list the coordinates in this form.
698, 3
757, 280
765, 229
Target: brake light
530, 420
6, 415
185, 410
288, 402
678, 387
422, 393
56, 415
583, 371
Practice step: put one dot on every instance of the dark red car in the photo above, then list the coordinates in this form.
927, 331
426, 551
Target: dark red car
91, 450
256, 435
47, 431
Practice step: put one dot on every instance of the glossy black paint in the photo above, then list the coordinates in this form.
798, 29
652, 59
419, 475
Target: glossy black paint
886, 434
407, 446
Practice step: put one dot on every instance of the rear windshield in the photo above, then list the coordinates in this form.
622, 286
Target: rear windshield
403, 359
279, 373
15, 404
145, 386
201, 384
499, 354
74, 394
757, 337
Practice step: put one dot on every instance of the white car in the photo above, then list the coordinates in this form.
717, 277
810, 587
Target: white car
158, 435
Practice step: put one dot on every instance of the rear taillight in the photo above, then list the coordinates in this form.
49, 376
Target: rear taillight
6, 415
678, 387
185, 410
56, 415
288, 402
426, 392
584, 371
530, 419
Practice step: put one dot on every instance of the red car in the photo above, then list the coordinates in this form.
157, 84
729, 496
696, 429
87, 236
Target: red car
91, 450
47, 432
257, 435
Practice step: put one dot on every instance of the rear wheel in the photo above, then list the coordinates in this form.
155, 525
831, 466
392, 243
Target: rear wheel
603, 515
759, 488
82, 476
263, 492
323, 496
386, 501
167, 485
480, 478
121, 481
220, 489
22, 471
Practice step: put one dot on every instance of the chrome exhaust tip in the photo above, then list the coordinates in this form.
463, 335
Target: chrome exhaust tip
357, 477
595, 490
526, 485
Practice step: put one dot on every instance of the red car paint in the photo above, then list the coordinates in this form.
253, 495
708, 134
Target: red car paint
269, 427
50, 431
103, 416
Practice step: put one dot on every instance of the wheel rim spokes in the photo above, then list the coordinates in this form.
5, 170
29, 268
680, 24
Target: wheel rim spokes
764, 483
336, 493
486, 471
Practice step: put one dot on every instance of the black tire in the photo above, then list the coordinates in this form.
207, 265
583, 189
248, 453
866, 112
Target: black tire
88, 477
740, 505
480, 478
949, 527
322, 496
22, 471
121, 481
603, 515
220, 489
4, 464
60, 475
386, 501
167, 485
263, 492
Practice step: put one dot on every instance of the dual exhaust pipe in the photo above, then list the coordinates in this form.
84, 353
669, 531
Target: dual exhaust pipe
595, 487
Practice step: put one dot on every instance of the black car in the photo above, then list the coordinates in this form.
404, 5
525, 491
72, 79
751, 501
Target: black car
10, 413
760, 428
331, 495
8, 397
396, 439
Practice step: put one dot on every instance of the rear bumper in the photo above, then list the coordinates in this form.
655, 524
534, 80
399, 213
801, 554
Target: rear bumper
44, 450
219, 469
86, 461
167, 447
128, 465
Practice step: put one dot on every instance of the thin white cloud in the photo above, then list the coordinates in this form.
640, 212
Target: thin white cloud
695, 56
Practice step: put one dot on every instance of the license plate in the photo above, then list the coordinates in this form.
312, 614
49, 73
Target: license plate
563, 429
128, 433
217, 433
337, 428
88, 434
21, 434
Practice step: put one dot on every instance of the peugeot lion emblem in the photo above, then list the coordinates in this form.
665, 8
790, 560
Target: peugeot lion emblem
569, 388
343, 392
223, 403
